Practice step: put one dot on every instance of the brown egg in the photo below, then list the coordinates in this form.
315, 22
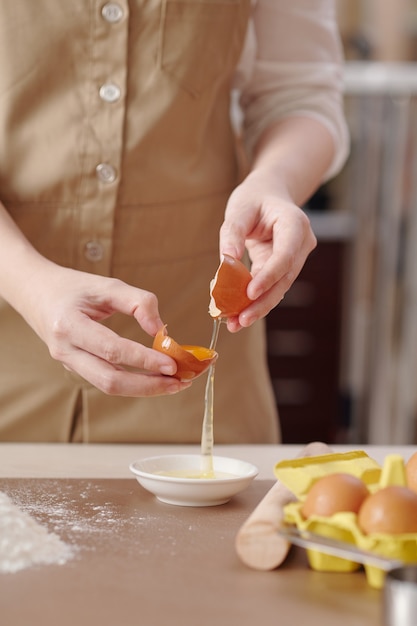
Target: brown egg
391, 510
411, 472
191, 360
334, 493
228, 288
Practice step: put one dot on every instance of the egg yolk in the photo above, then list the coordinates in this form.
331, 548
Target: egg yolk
199, 352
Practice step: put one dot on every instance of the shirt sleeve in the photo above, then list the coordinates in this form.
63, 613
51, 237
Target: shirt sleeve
292, 64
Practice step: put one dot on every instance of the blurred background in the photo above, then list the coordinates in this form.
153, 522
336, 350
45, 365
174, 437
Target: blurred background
343, 343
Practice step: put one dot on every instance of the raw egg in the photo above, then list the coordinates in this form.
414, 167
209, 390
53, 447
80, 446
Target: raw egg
228, 288
411, 472
391, 510
334, 493
191, 360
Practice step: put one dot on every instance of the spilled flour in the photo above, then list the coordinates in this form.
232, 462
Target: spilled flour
24, 542
59, 520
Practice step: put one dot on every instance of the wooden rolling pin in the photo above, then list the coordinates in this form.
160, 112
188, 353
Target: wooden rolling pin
258, 544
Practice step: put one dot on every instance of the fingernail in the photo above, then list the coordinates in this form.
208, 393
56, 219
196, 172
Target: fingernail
167, 370
247, 320
176, 388
254, 292
230, 250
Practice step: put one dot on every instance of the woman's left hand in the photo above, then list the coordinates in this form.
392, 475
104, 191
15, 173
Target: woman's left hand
277, 235
263, 215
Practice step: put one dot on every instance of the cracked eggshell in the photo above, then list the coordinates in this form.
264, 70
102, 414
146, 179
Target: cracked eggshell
191, 360
228, 288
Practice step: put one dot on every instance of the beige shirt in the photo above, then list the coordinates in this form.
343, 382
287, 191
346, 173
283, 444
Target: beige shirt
292, 63
117, 157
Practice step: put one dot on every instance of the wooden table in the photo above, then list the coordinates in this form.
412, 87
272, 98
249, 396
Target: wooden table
141, 562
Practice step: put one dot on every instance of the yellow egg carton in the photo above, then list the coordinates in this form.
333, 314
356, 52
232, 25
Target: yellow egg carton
299, 475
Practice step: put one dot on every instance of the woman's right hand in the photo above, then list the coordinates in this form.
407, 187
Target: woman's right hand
65, 308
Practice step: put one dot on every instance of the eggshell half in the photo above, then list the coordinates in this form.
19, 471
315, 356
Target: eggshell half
228, 288
191, 360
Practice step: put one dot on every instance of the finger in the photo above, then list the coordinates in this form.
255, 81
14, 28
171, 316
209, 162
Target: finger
240, 220
139, 303
263, 305
257, 310
291, 244
232, 240
92, 337
276, 273
113, 380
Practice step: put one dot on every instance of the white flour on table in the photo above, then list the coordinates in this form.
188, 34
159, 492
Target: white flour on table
24, 542
89, 519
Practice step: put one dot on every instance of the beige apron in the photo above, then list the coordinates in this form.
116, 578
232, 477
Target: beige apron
117, 157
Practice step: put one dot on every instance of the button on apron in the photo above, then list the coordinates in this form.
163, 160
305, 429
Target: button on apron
109, 92
106, 173
112, 12
93, 251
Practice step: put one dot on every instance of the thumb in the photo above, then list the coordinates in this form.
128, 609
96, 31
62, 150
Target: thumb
141, 304
235, 229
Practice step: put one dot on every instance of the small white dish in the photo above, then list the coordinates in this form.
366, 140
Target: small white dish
233, 476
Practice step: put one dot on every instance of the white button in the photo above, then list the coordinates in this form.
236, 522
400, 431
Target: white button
109, 92
112, 12
106, 173
93, 251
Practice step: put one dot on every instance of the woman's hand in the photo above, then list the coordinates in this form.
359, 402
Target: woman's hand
66, 311
278, 237
65, 307
263, 213
67, 317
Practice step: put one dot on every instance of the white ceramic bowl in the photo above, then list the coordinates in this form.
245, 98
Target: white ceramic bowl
185, 491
